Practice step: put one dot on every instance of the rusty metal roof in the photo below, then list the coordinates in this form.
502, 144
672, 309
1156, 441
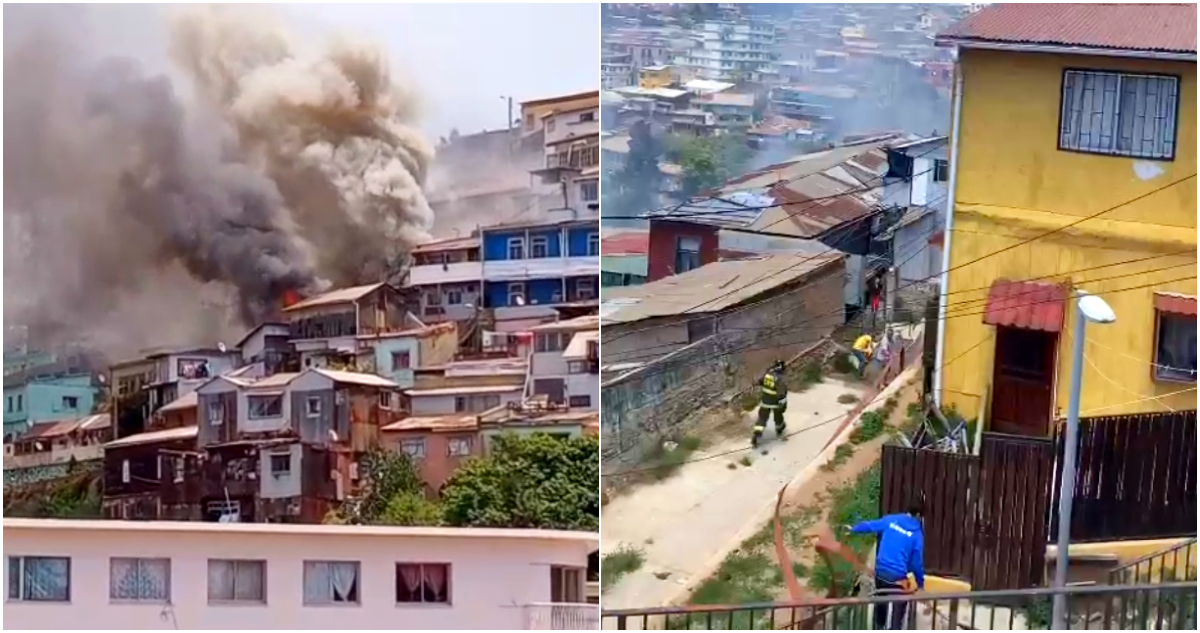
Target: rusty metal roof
58, 428
1174, 303
342, 295
435, 423
714, 287
1027, 305
1126, 27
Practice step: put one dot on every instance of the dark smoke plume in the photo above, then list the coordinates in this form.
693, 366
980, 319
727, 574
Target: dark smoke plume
138, 216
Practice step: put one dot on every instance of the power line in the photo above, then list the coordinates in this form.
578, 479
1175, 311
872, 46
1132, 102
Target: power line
960, 308
946, 272
777, 344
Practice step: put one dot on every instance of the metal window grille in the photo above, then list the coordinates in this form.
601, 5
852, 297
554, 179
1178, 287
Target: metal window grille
1119, 114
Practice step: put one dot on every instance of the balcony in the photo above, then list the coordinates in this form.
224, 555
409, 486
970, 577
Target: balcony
540, 268
562, 617
458, 272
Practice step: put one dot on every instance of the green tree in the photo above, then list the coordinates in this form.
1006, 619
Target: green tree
528, 481
636, 186
411, 508
708, 162
385, 476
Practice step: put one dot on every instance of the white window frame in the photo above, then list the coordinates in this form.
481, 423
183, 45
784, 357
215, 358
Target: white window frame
593, 245
235, 564
585, 289
385, 400
571, 582
516, 244
1163, 372
274, 459
449, 583
250, 413
311, 411
216, 413
584, 396
539, 241
941, 170
414, 448
517, 289
1101, 119
454, 297
589, 186
309, 566
15, 568
459, 446
139, 562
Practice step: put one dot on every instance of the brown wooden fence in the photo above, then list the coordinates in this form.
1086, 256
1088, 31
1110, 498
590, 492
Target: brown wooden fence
985, 516
1135, 478
948, 482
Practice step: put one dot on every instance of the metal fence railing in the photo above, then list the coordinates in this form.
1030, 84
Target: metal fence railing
1174, 564
1158, 607
562, 617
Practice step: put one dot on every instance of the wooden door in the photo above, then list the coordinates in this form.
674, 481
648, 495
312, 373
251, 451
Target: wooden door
1023, 381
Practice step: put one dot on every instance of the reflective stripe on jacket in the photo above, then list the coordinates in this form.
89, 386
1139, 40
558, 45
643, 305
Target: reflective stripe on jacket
773, 392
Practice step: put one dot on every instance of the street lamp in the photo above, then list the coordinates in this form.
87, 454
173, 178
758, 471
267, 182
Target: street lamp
1094, 309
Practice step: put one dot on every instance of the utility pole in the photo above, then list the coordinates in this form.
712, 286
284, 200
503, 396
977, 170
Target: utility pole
509, 125
1088, 307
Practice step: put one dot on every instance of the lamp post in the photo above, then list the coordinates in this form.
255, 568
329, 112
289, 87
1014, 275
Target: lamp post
1089, 308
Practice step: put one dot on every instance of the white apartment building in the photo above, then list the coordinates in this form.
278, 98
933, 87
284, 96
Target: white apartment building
159, 575
731, 52
565, 364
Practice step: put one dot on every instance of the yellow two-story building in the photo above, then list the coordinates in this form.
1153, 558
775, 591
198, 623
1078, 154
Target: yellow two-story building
1073, 168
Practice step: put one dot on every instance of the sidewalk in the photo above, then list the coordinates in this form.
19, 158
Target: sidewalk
686, 524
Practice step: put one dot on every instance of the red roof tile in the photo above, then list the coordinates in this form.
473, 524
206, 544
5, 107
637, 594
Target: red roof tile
1026, 305
1172, 303
1131, 27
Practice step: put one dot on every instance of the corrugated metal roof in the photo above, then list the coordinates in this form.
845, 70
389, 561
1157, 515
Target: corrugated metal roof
464, 391
579, 323
1130, 27
454, 243
717, 286
1174, 303
625, 244
357, 378
58, 428
434, 423
1027, 305
190, 400
167, 435
803, 197
343, 295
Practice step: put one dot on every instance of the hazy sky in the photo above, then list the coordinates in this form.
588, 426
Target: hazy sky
465, 57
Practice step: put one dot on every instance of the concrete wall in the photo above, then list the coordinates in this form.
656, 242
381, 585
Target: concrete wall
1015, 185
477, 558
657, 400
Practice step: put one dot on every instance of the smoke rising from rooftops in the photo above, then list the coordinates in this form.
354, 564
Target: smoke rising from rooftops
144, 211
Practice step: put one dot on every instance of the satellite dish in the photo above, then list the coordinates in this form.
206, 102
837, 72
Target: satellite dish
221, 347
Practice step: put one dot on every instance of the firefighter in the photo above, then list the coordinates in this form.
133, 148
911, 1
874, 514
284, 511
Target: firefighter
772, 399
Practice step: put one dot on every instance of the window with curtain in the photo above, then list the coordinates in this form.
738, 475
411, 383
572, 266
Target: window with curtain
566, 584
331, 582
237, 581
39, 578
423, 583
140, 579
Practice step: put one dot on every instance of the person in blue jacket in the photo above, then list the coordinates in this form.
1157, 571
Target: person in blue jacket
901, 553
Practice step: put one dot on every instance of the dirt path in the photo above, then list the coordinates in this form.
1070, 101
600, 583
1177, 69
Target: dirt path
687, 523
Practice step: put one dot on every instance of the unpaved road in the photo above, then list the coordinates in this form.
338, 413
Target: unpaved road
686, 524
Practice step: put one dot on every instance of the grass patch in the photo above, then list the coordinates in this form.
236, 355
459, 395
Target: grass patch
666, 462
616, 564
870, 426
841, 455
746, 461
847, 398
748, 401
850, 503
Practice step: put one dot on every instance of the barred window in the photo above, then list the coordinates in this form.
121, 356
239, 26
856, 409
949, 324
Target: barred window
1119, 114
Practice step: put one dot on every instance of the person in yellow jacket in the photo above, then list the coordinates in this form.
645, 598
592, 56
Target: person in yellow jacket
772, 402
864, 350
